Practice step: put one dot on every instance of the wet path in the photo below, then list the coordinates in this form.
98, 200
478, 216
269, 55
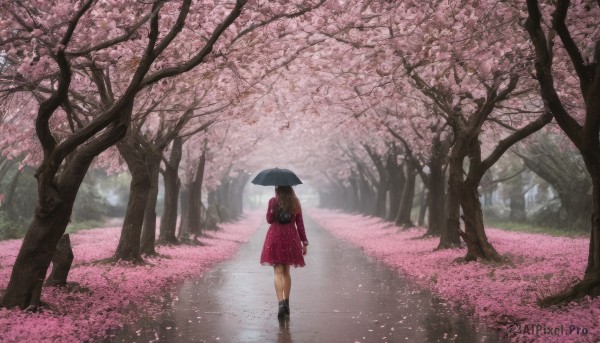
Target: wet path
341, 296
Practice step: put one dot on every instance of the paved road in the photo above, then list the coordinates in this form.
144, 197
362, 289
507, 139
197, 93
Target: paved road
342, 295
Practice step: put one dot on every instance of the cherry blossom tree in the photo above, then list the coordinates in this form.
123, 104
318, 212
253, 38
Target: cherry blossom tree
568, 72
194, 162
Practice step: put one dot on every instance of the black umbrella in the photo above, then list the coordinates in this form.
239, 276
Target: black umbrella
276, 177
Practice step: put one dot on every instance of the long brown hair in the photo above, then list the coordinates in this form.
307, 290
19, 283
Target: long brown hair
287, 199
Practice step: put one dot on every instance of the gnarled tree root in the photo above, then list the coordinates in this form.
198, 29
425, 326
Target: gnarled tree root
590, 285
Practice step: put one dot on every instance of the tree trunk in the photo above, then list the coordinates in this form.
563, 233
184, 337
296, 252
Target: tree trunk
592, 271
366, 196
474, 235
355, 193
56, 197
233, 195
408, 194
381, 185
237, 193
423, 207
213, 211
184, 224
35, 255
590, 284
221, 197
130, 241
436, 220
380, 202
579, 210
396, 181
168, 222
449, 237
148, 238
397, 184
61, 262
487, 187
195, 202
370, 197
517, 199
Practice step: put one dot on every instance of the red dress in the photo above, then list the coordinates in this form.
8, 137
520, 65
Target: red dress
283, 243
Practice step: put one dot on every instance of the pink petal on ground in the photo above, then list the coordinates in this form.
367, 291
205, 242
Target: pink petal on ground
543, 266
119, 293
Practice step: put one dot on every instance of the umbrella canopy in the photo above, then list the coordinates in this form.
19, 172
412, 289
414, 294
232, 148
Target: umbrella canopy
276, 177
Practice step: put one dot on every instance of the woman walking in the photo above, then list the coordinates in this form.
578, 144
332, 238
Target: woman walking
285, 243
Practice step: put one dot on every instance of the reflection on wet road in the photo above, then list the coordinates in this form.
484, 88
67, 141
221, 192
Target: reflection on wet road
342, 295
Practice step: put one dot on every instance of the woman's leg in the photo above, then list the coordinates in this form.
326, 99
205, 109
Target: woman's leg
278, 271
287, 281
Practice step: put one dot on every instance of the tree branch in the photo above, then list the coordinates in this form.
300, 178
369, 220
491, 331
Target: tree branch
558, 23
515, 137
122, 38
177, 27
123, 107
49, 106
408, 152
543, 67
201, 55
275, 18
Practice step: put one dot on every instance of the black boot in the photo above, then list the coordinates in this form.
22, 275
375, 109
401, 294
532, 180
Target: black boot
286, 302
281, 312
